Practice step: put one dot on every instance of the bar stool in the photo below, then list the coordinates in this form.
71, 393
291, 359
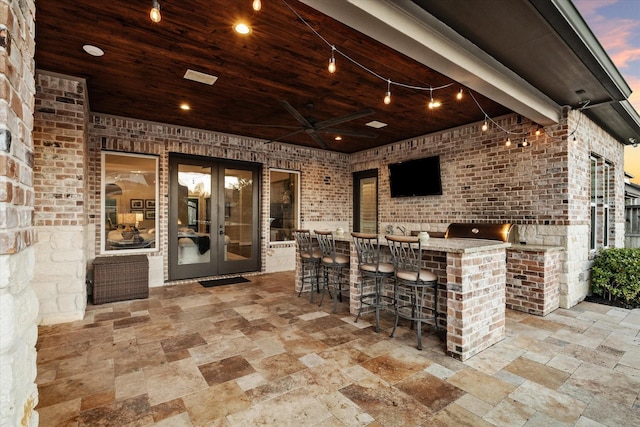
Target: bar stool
414, 282
310, 259
371, 269
332, 266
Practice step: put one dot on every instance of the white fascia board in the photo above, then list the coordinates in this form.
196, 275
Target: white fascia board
410, 30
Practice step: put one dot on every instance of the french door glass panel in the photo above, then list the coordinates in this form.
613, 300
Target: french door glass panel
194, 205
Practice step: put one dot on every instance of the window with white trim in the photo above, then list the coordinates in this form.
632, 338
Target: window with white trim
284, 206
129, 194
601, 202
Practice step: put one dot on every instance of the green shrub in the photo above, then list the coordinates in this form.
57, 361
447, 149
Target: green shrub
616, 273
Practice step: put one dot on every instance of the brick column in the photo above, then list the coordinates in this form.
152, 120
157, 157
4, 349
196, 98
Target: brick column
475, 301
18, 302
60, 189
533, 279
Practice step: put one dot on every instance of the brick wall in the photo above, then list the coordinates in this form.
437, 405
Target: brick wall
533, 284
18, 301
543, 189
325, 176
60, 192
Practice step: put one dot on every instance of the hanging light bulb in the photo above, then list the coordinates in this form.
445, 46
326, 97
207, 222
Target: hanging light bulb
387, 97
459, 95
257, 5
433, 104
538, 130
508, 143
155, 12
525, 142
332, 61
485, 126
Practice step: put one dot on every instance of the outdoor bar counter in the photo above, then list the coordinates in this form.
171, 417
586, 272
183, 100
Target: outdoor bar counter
472, 278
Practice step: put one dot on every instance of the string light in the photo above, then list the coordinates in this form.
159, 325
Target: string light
538, 130
525, 142
257, 5
154, 15
508, 143
387, 97
485, 126
459, 95
332, 61
433, 104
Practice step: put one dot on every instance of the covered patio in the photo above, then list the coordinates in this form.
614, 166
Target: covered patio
255, 353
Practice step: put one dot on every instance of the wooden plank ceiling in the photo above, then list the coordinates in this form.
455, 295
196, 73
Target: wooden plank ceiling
141, 73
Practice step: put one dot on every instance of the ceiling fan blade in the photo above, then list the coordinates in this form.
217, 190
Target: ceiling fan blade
285, 136
299, 117
343, 119
345, 132
258, 125
317, 138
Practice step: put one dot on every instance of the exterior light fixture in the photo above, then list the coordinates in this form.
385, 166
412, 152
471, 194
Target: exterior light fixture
155, 12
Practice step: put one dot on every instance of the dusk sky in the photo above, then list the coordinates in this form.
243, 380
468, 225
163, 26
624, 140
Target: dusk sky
616, 23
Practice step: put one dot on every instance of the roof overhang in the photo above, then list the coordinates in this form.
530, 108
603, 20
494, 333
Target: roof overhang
506, 58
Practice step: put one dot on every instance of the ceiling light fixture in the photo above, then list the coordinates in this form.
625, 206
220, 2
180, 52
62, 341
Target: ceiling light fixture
338, 138
257, 5
155, 12
242, 28
387, 97
93, 50
185, 107
332, 61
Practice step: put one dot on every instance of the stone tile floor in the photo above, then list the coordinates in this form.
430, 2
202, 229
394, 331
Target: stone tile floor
256, 354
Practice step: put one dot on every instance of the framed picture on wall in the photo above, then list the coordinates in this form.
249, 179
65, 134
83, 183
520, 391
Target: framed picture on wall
137, 204
150, 204
150, 214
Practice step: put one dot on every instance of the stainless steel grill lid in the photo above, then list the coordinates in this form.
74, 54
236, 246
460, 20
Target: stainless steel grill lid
478, 231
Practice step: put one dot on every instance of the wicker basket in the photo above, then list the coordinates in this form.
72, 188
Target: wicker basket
119, 278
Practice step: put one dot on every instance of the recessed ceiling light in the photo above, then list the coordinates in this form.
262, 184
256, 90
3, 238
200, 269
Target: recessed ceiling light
199, 77
376, 124
338, 138
93, 50
185, 107
242, 28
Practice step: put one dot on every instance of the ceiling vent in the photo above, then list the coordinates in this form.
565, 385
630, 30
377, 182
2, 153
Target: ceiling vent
376, 124
199, 77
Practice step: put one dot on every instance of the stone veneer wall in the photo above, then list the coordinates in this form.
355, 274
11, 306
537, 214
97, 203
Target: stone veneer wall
18, 301
543, 189
325, 178
59, 183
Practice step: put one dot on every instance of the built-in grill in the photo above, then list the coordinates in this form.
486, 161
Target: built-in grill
478, 231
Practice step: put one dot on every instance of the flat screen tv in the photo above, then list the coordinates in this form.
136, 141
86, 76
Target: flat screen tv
419, 177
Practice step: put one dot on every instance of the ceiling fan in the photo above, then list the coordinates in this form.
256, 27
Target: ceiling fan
314, 128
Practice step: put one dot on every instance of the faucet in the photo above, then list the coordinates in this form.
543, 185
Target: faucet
403, 229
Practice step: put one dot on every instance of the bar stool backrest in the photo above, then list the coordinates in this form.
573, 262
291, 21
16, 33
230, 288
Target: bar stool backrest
304, 241
368, 248
406, 252
327, 243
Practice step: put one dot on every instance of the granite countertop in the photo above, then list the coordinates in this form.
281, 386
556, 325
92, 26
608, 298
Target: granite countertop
454, 245
536, 248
